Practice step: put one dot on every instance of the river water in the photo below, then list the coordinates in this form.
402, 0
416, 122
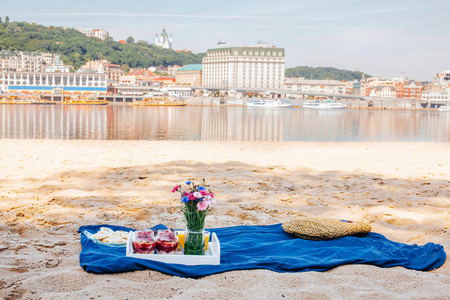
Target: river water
213, 123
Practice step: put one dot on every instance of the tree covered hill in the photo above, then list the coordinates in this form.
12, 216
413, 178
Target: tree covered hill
76, 48
324, 73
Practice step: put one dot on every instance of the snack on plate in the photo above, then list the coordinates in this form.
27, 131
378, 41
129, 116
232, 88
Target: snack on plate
107, 235
167, 241
143, 242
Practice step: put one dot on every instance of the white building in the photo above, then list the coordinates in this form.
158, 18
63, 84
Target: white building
48, 82
86, 31
258, 67
435, 97
24, 61
98, 33
315, 86
443, 79
164, 40
57, 66
383, 92
101, 34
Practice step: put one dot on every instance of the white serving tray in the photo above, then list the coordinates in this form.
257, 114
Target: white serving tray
211, 257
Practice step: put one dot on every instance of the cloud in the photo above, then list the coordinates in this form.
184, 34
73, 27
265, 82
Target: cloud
153, 15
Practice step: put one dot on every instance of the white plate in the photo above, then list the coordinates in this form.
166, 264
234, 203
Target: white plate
90, 236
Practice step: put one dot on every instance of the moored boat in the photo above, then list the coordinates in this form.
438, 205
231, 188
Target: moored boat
23, 100
324, 104
268, 103
158, 101
84, 100
444, 108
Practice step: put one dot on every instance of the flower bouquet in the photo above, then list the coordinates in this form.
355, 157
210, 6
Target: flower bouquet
196, 200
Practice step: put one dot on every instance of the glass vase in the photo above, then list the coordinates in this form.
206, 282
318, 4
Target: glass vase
194, 242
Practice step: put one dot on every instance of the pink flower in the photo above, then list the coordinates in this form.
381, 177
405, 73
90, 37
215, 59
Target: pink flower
198, 195
202, 205
191, 196
210, 200
175, 189
203, 192
211, 194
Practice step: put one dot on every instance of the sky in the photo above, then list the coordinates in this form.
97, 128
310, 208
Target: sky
374, 37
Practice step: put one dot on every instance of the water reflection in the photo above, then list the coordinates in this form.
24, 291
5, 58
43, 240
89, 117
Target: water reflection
211, 123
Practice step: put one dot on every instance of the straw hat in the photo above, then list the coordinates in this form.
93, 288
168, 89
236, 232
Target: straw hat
314, 228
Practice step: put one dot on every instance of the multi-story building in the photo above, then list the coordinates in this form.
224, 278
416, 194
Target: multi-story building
57, 66
315, 86
164, 40
137, 76
368, 86
98, 33
257, 67
51, 81
408, 89
443, 79
436, 97
383, 92
172, 70
113, 71
25, 61
190, 75
86, 31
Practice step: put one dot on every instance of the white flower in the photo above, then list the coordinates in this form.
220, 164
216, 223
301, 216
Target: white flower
198, 195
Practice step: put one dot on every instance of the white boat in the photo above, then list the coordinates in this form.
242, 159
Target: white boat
323, 104
444, 108
267, 103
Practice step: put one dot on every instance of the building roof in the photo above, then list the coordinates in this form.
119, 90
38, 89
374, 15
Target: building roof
192, 67
241, 49
142, 72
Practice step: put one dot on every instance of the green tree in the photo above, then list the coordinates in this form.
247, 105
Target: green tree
6, 20
125, 67
130, 40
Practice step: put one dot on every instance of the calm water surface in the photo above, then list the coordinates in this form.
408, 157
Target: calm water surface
211, 123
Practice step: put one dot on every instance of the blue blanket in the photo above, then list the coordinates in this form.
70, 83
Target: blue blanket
269, 247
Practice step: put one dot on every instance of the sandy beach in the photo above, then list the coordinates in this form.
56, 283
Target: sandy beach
49, 188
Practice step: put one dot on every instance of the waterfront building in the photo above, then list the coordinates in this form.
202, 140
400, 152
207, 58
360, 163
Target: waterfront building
383, 92
98, 33
315, 86
190, 75
51, 82
436, 97
443, 79
164, 40
368, 86
178, 91
408, 89
137, 77
257, 67
21, 61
